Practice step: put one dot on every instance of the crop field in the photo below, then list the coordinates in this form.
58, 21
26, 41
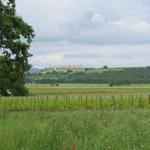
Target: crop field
86, 89
77, 117
74, 103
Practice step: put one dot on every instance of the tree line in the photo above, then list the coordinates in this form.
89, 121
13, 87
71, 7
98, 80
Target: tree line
111, 77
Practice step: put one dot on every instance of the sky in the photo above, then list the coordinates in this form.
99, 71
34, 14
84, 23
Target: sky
93, 33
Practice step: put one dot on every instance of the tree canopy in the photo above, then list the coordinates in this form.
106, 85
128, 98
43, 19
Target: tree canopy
111, 76
15, 40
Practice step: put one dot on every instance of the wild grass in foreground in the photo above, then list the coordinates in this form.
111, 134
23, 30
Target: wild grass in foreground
84, 130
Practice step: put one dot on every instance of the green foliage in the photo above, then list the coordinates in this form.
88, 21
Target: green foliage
105, 67
15, 39
111, 84
96, 76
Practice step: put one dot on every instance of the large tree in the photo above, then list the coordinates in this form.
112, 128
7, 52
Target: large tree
15, 40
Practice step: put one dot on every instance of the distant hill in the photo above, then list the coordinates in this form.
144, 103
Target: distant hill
112, 76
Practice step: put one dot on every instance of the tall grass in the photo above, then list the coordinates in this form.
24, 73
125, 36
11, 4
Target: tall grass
75, 122
84, 130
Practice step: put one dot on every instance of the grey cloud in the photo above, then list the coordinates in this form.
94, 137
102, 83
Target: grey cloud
85, 21
91, 32
90, 55
82, 55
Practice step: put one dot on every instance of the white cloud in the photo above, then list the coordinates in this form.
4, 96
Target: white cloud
91, 55
97, 19
46, 60
133, 25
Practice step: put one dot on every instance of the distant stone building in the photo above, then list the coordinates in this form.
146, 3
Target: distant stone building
65, 68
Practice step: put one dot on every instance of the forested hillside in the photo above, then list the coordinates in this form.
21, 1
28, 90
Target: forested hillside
100, 76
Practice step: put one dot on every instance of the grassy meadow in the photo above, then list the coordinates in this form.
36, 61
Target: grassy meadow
86, 89
82, 130
77, 117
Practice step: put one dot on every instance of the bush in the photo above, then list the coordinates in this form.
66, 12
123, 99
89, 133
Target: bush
57, 84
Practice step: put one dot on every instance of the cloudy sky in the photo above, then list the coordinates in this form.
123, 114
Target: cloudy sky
93, 33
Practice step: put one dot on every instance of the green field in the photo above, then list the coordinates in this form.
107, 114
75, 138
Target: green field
85, 130
77, 117
86, 89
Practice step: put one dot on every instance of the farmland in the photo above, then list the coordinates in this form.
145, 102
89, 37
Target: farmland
86, 89
74, 75
76, 117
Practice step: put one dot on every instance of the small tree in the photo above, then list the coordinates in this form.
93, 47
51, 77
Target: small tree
111, 84
15, 39
69, 71
105, 67
57, 84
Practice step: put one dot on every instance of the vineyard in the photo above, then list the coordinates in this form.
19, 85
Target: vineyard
74, 102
